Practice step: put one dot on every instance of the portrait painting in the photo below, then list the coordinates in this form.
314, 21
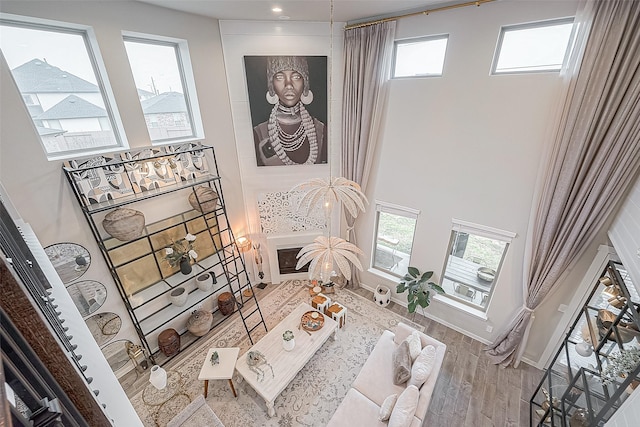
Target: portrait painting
288, 104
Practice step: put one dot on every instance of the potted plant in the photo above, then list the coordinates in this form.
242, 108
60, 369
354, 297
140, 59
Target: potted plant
418, 288
181, 252
620, 364
287, 340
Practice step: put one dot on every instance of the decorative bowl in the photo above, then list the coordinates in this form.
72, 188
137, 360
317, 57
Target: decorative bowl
487, 274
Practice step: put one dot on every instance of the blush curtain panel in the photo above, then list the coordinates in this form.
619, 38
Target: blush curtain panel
367, 63
593, 161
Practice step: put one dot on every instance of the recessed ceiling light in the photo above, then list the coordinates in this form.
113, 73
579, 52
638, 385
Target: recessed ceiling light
276, 9
283, 17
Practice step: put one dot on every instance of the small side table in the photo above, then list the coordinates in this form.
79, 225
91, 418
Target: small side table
223, 370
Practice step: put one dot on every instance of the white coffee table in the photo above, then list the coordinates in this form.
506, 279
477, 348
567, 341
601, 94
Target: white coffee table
285, 364
222, 371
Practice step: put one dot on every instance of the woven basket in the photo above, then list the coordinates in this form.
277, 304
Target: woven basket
207, 197
124, 224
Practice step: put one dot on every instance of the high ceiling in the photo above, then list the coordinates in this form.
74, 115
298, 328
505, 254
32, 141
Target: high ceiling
297, 10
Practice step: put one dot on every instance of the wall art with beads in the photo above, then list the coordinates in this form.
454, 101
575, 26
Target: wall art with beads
288, 103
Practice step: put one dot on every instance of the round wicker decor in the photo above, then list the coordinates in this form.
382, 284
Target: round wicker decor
311, 323
124, 224
207, 198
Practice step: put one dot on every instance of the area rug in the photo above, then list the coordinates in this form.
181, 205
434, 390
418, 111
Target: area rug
313, 395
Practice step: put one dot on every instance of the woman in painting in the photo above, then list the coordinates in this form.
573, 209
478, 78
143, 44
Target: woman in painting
290, 136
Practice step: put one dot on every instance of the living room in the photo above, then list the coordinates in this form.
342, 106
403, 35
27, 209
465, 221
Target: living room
466, 146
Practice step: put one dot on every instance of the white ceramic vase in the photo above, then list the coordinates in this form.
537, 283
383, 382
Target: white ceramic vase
178, 296
205, 282
288, 345
158, 377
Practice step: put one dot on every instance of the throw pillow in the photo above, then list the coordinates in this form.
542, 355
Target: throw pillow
401, 364
387, 407
405, 407
415, 346
422, 367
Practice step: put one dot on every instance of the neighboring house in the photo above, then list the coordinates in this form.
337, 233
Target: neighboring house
45, 85
166, 116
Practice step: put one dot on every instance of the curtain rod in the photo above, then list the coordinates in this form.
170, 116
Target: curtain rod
422, 12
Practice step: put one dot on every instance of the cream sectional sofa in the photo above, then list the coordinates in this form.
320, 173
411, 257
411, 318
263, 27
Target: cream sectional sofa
374, 383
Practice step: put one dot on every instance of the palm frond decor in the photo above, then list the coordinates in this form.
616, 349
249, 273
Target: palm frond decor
334, 252
330, 190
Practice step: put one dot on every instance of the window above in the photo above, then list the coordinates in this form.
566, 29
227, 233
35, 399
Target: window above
421, 57
62, 81
535, 47
393, 241
474, 259
161, 70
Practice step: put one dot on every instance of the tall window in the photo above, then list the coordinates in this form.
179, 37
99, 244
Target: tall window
61, 77
395, 228
161, 70
473, 264
421, 57
534, 47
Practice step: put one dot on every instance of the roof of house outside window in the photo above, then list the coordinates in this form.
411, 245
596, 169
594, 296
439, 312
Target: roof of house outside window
72, 107
38, 76
168, 102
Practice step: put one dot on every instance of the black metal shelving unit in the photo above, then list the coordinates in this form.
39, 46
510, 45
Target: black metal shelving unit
571, 393
154, 180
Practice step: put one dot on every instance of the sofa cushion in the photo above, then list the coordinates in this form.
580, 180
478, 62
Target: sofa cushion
387, 407
415, 346
401, 363
375, 379
405, 407
422, 367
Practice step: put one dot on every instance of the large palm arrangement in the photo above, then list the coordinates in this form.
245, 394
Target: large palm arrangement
330, 253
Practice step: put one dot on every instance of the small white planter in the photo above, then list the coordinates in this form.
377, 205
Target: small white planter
382, 296
288, 345
205, 282
178, 296
288, 341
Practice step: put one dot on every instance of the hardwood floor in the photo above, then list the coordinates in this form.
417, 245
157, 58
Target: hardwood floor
470, 391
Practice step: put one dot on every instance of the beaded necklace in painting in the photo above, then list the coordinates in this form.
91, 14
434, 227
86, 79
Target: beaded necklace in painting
284, 142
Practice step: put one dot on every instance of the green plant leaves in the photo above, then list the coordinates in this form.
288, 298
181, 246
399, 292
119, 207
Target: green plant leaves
418, 288
413, 272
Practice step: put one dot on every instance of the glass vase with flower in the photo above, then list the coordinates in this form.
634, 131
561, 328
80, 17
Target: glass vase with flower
181, 252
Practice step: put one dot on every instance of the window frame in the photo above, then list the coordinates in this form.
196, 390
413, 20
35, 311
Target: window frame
481, 231
394, 210
396, 43
185, 70
530, 25
102, 81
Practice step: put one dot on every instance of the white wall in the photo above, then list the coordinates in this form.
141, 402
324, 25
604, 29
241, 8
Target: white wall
244, 38
38, 188
466, 145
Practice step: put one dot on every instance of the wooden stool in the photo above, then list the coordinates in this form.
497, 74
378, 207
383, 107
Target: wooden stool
226, 303
169, 342
321, 302
338, 313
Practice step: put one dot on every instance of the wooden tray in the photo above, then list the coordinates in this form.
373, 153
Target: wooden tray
309, 323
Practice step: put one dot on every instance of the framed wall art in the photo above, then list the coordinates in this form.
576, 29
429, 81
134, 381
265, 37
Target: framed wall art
288, 103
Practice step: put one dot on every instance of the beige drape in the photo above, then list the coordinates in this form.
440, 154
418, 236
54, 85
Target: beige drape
367, 63
594, 159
